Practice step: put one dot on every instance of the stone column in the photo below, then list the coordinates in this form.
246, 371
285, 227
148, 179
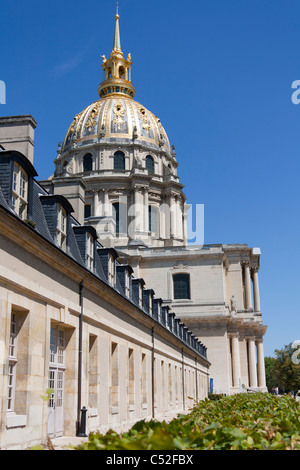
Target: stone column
140, 208
132, 214
252, 362
106, 203
256, 290
236, 365
95, 203
261, 364
248, 296
136, 212
163, 211
172, 216
146, 209
179, 219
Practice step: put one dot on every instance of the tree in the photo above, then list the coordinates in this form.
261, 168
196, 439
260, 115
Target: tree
270, 364
285, 370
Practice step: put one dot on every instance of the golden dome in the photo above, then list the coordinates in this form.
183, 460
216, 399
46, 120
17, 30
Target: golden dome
116, 117
116, 114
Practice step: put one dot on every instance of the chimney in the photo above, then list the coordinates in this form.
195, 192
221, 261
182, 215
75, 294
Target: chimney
17, 133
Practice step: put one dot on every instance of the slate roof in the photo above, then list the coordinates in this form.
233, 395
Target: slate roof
42, 219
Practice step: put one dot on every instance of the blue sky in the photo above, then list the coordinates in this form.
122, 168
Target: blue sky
219, 75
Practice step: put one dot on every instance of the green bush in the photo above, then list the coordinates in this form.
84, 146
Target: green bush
215, 396
238, 422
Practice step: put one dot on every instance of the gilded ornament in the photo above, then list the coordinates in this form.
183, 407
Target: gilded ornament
91, 122
119, 113
74, 123
144, 117
161, 129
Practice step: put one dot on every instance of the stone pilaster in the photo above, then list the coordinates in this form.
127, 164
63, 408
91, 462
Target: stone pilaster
252, 363
256, 290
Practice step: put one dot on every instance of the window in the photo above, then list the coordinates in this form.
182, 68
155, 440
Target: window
87, 211
20, 191
181, 284
121, 72
12, 363
127, 284
140, 295
87, 162
119, 216
150, 305
61, 228
119, 161
57, 346
150, 165
116, 216
111, 269
153, 220
89, 251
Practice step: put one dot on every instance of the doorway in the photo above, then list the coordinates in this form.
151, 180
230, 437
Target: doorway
56, 382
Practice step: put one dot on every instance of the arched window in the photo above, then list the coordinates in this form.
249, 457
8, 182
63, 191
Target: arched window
153, 220
121, 72
150, 165
88, 162
181, 286
119, 160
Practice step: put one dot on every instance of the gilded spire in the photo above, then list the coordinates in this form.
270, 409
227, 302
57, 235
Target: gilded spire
117, 40
116, 69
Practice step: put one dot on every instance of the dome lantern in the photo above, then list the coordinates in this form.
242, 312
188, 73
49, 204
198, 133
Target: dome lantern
116, 70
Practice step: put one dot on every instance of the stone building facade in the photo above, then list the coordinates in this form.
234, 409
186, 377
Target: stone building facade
117, 168
102, 299
76, 321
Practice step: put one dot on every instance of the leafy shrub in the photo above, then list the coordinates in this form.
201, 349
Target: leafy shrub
215, 396
238, 422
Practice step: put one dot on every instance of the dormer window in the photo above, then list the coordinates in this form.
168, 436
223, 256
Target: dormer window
61, 228
89, 251
111, 270
127, 284
140, 295
20, 191
150, 305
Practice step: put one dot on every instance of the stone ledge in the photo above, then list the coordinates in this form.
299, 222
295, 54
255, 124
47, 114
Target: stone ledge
15, 421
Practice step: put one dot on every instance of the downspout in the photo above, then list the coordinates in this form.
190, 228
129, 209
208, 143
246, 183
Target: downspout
80, 356
183, 397
196, 362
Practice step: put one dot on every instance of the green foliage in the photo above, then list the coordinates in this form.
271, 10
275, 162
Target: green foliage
47, 397
286, 372
215, 396
281, 371
238, 422
270, 365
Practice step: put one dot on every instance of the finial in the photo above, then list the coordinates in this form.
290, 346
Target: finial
116, 69
117, 41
